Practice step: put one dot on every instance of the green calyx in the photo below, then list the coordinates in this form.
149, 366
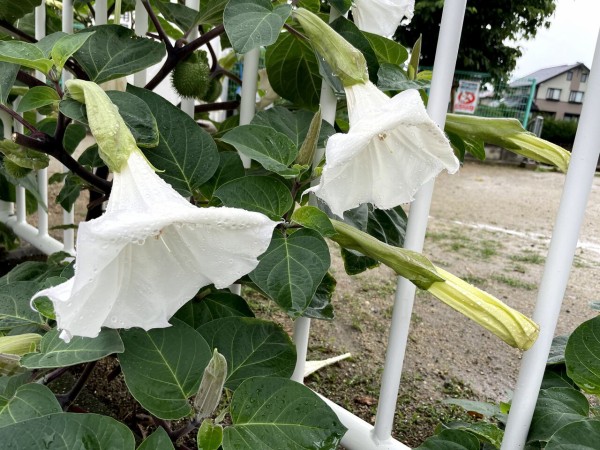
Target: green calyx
190, 77
115, 141
346, 61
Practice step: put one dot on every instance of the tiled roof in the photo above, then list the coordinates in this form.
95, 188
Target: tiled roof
543, 74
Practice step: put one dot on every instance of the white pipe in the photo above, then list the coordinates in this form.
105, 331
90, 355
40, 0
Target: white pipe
101, 10
141, 28
441, 83
571, 211
301, 335
46, 243
21, 206
187, 104
249, 87
42, 175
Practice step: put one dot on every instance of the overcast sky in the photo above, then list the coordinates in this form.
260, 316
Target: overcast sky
571, 38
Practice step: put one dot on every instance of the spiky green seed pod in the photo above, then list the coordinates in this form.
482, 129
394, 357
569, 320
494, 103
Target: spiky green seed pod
14, 169
215, 88
190, 77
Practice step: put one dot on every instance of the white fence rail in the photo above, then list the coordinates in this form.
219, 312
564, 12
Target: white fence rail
362, 435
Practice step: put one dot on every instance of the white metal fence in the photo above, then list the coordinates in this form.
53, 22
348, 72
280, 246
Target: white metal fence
362, 435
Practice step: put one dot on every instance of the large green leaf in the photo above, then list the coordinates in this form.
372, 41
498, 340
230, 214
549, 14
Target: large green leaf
582, 435
29, 401
582, 356
555, 408
341, 5
46, 43
216, 305
352, 34
211, 11
252, 348
114, 51
25, 54
68, 431
186, 153
54, 352
14, 305
134, 110
210, 436
8, 75
179, 14
451, 440
320, 306
230, 167
391, 77
315, 219
280, 411
557, 350
36, 97
253, 23
159, 440
484, 431
293, 71
387, 51
294, 124
263, 194
163, 367
273, 150
11, 10
292, 268
67, 45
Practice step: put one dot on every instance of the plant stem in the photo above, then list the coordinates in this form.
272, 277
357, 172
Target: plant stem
53, 148
16, 32
29, 80
158, 26
184, 430
221, 71
51, 376
65, 400
294, 31
216, 106
19, 119
97, 198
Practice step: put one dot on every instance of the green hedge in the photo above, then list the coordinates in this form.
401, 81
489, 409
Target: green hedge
560, 132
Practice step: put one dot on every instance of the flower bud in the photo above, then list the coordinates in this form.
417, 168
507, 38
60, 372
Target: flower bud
346, 61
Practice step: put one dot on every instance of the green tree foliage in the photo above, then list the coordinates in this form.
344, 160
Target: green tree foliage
489, 27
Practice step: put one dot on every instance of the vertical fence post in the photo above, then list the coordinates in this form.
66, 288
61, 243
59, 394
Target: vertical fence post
571, 211
248, 94
141, 28
328, 105
101, 10
529, 102
187, 104
443, 74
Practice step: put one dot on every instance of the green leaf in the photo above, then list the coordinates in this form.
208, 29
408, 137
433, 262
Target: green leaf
23, 156
14, 305
274, 151
582, 356
280, 411
8, 75
163, 367
484, 431
294, 71
292, 268
320, 306
252, 348
556, 376
509, 134
216, 305
29, 182
555, 408
47, 42
315, 219
189, 156
178, 14
387, 226
24, 54
415, 57
90, 157
341, 5
70, 191
230, 167
10, 384
582, 435
294, 124
159, 440
68, 431
135, 113
451, 440
261, 194
464, 144
29, 401
211, 12
11, 10
210, 436
114, 51
253, 23
557, 350
489, 410
386, 50
54, 352
66, 46
352, 34
393, 78
27, 271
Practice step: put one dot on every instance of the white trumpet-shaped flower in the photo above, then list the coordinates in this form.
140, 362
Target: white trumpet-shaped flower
381, 16
390, 151
150, 253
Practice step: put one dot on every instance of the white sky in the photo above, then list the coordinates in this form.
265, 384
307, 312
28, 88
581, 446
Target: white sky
571, 38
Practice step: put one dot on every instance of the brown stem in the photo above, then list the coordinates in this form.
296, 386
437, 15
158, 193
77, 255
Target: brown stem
228, 74
51, 376
184, 430
97, 198
19, 119
49, 146
216, 106
29, 80
14, 31
158, 26
294, 31
179, 54
65, 400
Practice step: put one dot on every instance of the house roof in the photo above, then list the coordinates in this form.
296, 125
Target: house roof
544, 74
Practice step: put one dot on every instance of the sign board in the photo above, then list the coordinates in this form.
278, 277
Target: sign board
467, 95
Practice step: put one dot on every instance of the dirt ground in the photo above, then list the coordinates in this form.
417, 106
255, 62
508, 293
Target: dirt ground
490, 225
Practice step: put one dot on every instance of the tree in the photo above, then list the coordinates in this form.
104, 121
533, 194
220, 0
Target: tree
489, 27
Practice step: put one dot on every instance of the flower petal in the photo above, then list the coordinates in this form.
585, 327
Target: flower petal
381, 16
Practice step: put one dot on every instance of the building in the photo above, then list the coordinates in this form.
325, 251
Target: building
559, 90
